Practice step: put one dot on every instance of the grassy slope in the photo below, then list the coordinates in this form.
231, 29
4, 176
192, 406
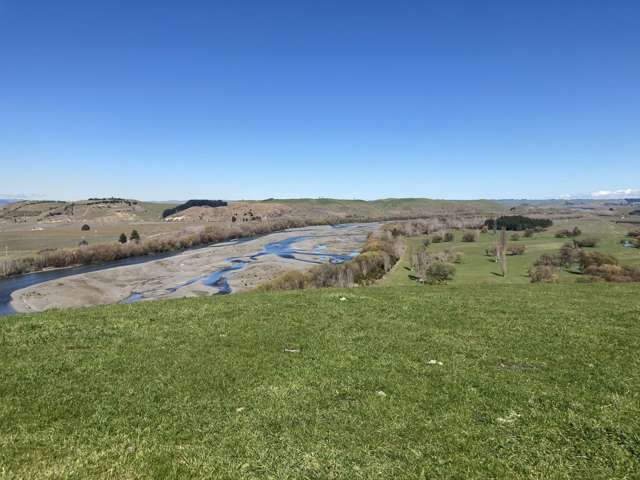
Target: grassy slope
478, 268
537, 381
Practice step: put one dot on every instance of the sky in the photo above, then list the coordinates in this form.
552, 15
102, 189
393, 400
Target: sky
168, 100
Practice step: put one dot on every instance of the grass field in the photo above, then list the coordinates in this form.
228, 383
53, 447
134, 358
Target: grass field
536, 381
476, 267
22, 240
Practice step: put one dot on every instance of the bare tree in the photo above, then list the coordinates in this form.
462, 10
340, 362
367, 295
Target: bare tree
501, 251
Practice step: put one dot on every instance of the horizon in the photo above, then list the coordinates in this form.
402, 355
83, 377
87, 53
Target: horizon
442, 100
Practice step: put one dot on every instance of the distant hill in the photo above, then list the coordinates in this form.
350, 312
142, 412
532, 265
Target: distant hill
114, 210
336, 209
103, 210
7, 201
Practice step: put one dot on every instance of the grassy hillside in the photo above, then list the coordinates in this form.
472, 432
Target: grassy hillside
389, 207
535, 381
107, 210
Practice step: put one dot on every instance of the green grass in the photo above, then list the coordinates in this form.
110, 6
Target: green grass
536, 381
476, 267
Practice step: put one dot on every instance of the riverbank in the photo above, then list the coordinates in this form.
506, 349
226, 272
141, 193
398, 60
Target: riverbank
205, 271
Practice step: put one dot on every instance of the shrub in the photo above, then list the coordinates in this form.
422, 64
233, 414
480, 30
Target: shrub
516, 249
589, 259
634, 234
469, 237
614, 273
85, 228
515, 237
426, 242
484, 229
439, 272
528, 233
83, 243
436, 238
122, 238
543, 274
490, 252
517, 222
586, 242
449, 237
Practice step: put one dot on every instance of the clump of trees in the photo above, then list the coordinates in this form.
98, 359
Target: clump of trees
566, 233
433, 268
193, 203
381, 251
594, 265
517, 222
85, 228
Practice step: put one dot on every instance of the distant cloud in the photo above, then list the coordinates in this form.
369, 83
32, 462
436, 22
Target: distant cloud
613, 194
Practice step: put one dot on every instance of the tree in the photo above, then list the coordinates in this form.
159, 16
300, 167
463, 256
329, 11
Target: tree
501, 251
135, 236
123, 238
85, 228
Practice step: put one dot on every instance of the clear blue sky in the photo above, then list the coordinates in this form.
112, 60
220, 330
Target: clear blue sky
255, 99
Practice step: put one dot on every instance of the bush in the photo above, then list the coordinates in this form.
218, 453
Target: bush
122, 238
436, 238
614, 273
517, 222
516, 249
528, 233
543, 274
469, 237
426, 242
491, 251
83, 243
589, 259
515, 237
439, 272
634, 234
586, 242
449, 237
85, 228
